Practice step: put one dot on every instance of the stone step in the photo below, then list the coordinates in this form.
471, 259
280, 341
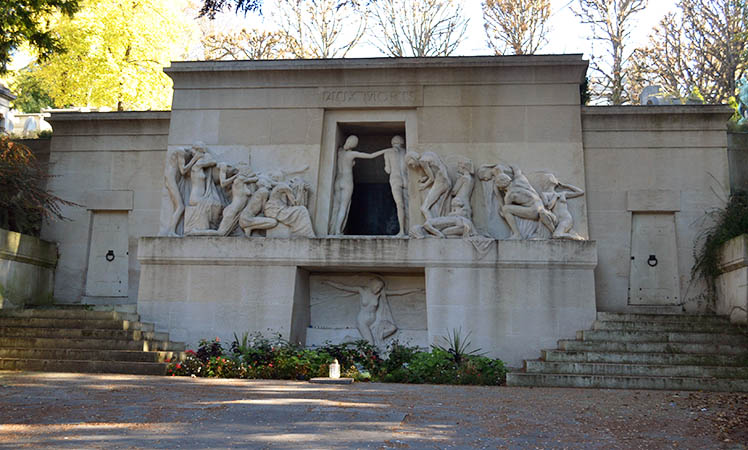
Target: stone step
94, 355
695, 327
92, 344
713, 359
57, 365
68, 314
94, 333
671, 318
652, 347
661, 336
626, 382
537, 366
36, 322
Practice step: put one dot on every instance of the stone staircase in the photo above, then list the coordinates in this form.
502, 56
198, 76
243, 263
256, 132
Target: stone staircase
645, 351
81, 340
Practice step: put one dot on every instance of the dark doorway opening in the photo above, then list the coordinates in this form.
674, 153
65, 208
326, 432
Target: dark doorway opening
373, 211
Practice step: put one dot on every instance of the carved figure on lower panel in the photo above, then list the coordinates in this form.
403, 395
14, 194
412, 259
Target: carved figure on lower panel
433, 175
281, 206
205, 203
374, 320
346, 159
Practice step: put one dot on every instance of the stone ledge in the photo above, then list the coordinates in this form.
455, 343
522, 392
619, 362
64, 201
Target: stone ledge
366, 253
734, 254
27, 249
378, 63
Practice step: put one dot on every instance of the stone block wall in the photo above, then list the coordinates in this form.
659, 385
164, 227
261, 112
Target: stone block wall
111, 164
27, 270
652, 160
732, 284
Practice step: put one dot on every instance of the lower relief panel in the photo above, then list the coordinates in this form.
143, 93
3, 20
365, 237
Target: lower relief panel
380, 308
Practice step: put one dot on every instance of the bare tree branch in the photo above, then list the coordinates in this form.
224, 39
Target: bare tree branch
703, 48
611, 22
516, 26
418, 27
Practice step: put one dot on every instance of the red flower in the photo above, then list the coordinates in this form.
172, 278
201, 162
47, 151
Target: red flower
179, 365
270, 365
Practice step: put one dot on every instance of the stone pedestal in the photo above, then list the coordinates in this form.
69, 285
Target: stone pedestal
514, 297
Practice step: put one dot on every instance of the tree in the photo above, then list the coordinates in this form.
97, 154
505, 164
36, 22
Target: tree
32, 96
319, 28
418, 27
517, 26
212, 7
116, 52
25, 22
244, 44
703, 48
24, 200
611, 22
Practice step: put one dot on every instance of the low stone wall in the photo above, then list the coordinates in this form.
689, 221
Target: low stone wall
27, 267
732, 285
515, 297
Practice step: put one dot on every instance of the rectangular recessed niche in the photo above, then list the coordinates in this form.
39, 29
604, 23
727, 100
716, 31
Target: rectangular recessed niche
372, 210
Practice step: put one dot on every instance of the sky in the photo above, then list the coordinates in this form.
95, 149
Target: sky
566, 34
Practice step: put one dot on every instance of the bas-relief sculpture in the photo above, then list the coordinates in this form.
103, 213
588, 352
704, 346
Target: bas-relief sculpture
240, 199
216, 199
527, 201
374, 320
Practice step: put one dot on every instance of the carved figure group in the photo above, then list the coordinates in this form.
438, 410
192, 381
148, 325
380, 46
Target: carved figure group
526, 202
211, 198
216, 199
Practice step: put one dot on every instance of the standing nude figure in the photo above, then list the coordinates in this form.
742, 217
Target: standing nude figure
374, 321
394, 165
176, 168
344, 182
521, 200
204, 205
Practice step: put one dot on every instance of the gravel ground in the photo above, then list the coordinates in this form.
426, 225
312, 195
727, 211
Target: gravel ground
122, 411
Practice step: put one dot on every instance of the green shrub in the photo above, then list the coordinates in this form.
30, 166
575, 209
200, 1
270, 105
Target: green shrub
254, 356
728, 222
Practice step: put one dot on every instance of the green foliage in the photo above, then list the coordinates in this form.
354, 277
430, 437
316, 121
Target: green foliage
32, 97
115, 54
728, 222
257, 357
24, 200
25, 22
458, 347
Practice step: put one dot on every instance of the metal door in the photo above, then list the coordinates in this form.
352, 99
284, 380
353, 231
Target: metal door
108, 256
654, 260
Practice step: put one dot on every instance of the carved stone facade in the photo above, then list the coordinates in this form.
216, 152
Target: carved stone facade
480, 185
